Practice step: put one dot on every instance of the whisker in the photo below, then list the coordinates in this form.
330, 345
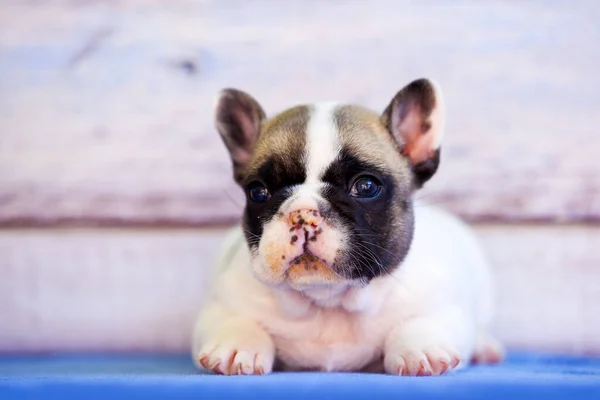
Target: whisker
372, 256
396, 257
253, 235
386, 271
363, 235
363, 263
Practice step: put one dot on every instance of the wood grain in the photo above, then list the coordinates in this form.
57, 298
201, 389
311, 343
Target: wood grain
123, 290
106, 107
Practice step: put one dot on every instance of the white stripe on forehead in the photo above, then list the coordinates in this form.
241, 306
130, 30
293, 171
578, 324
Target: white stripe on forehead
322, 141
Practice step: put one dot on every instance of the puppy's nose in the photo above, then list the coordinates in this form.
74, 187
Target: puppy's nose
305, 217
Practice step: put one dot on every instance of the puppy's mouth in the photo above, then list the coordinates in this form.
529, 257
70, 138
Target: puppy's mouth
308, 269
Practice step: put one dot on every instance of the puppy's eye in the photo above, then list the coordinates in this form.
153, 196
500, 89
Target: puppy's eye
365, 187
258, 192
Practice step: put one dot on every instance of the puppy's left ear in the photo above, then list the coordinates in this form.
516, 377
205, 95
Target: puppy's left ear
415, 117
238, 118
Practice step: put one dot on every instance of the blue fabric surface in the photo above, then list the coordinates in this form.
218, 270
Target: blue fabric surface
522, 376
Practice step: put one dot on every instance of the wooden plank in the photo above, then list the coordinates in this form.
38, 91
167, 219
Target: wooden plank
547, 286
106, 107
121, 290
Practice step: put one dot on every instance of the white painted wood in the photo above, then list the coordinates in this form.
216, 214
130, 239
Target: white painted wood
99, 290
547, 286
106, 106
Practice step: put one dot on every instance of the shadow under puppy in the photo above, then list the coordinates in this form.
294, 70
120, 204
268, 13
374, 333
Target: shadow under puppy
335, 268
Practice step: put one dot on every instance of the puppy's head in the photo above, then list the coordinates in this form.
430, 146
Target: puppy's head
329, 186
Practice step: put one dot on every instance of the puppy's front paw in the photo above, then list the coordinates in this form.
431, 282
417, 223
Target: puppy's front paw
243, 355
228, 360
420, 360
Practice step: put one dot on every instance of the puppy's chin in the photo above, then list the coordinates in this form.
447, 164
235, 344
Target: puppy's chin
305, 273
311, 279
326, 295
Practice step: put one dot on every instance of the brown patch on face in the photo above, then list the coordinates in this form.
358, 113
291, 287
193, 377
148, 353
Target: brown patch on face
274, 257
309, 266
362, 132
283, 135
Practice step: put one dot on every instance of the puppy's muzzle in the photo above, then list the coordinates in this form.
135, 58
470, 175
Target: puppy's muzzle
305, 227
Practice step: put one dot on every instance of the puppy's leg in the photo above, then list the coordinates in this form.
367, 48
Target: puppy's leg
229, 344
431, 344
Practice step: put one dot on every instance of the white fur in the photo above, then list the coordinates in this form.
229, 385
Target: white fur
322, 143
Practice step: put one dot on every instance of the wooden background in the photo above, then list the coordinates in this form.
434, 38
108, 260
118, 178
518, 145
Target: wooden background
106, 123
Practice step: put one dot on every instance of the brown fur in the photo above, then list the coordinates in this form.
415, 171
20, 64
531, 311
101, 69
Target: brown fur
363, 133
283, 135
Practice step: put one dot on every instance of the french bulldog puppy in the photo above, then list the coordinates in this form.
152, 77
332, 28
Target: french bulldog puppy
335, 266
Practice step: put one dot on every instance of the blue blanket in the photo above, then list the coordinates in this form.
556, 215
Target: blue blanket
522, 376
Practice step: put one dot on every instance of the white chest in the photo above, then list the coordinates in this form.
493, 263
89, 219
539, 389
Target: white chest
329, 340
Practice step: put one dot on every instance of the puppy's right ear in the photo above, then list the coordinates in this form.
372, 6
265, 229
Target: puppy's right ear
238, 117
415, 118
